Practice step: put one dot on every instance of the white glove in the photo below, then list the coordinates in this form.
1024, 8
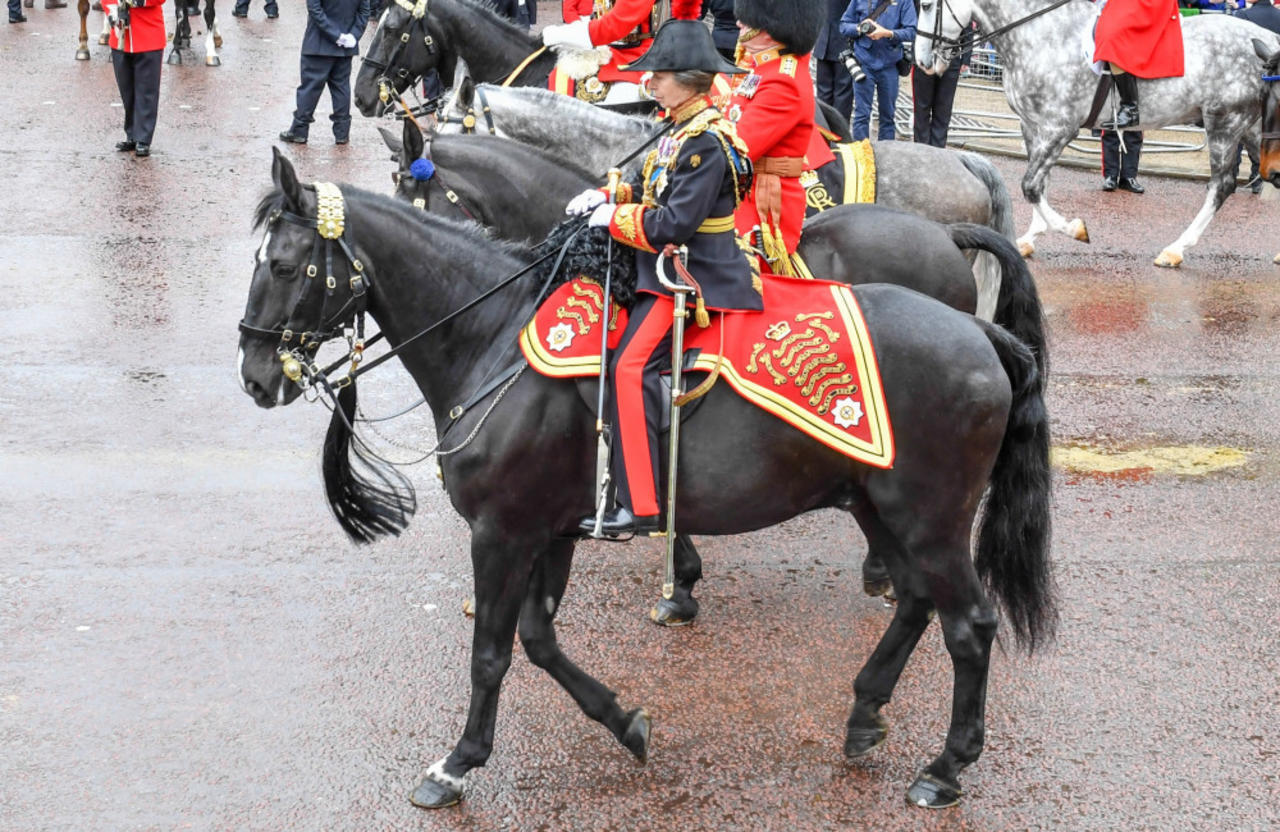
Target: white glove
602, 216
346, 40
573, 34
584, 202
113, 17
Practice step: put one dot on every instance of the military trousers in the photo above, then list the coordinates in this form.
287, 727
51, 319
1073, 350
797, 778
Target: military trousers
138, 78
634, 374
319, 71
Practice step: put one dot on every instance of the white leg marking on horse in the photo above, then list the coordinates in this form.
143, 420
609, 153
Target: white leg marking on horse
551, 605
438, 774
240, 369
262, 249
1192, 235
1051, 217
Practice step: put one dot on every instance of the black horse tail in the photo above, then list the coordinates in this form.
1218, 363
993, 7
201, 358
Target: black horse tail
985, 266
369, 496
1018, 306
1012, 557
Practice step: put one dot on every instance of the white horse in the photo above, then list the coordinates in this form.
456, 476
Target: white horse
1050, 84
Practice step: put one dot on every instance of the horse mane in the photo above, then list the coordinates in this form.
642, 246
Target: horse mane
556, 105
588, 256
509, 27
490, 144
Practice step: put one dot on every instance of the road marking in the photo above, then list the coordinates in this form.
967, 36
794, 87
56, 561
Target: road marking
1179, 460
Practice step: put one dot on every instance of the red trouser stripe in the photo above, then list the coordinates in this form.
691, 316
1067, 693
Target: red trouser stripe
633, 431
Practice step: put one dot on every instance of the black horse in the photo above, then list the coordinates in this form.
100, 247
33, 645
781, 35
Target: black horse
519, 193
182, 51
967, 409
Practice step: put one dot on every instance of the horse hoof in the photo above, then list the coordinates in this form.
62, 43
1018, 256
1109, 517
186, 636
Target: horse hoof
175, 59
212, 60
862, 741
1276, 259
928, 792
434, 792
639, 730
82, 54
670, 613
103, 40
1026, 248
469, 607
1169, 259
1077, 230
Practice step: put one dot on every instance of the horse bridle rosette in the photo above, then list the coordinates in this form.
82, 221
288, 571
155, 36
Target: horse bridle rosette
296, 359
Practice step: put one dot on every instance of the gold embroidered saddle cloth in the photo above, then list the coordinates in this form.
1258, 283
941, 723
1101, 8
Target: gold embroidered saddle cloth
849, 179
807, 358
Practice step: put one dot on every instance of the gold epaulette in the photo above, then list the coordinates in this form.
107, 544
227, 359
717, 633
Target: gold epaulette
789, 66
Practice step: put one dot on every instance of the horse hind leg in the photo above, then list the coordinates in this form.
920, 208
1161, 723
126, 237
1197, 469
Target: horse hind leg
500, 582
181, 34
213, 37
1223, 142
681, 608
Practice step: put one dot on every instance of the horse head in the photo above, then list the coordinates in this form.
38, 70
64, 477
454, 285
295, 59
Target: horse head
1269, 164
939, 27
412, 152
307, 285
403, 49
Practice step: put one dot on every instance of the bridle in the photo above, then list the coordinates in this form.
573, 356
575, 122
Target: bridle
469, 119
1269, 134
953, 46
417, 25
313, 297
969, 36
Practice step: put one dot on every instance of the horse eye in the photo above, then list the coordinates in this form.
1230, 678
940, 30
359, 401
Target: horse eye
283, 271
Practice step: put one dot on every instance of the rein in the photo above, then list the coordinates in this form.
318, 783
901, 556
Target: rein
967, 38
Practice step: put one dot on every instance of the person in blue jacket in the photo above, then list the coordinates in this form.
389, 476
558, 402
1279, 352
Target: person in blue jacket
333, 28
877, 28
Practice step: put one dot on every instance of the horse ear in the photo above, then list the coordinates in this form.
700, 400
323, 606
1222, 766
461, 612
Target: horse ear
393, 142
463, 83
1264, 52
413, 142
285, 178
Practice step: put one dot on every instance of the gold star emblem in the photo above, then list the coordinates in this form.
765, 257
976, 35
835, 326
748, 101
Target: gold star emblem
695, 160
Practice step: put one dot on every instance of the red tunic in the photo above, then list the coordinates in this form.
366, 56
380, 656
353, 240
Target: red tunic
774, 118
571, 10
1143, 37
619, 22
146, 27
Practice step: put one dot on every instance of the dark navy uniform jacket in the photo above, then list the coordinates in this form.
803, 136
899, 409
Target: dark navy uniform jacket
327, 19
689, 196
830, 42
1264, 14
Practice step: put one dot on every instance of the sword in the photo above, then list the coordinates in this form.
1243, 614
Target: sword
602, 432
681, 311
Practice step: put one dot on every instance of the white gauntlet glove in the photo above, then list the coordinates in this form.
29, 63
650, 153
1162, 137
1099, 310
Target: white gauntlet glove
584, 202
346, 40
575, 35
602, 216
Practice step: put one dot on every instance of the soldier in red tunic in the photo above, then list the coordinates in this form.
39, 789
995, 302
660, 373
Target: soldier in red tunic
625, 26
1140, 39
137, 46
773, 108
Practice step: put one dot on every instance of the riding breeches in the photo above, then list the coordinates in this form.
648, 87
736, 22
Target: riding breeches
637, 401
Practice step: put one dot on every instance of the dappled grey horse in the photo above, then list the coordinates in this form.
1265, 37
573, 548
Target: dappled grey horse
1050, 85
960, 186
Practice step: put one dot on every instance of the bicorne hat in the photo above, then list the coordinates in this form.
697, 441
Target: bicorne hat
683, 44
793, 23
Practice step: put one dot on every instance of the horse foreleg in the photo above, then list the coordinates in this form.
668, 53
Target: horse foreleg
104, 37
1223, 145
181, 33
82, 51
538, 637
968, 628
501, 578
212, 37
1041, 154
681, 608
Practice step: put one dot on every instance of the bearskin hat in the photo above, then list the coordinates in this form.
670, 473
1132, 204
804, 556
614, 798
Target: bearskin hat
793, 23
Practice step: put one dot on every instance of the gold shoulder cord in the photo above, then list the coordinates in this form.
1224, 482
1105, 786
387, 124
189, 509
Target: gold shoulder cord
330, 218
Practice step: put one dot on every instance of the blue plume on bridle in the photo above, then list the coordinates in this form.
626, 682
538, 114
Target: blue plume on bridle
422, 169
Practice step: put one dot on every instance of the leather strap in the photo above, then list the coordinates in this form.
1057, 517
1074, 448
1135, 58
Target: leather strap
789, 167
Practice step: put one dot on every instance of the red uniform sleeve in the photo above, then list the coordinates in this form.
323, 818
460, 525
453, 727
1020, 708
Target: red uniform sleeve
571, 10
625, 16
769, 116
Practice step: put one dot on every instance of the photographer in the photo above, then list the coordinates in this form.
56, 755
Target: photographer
137, 50
877, 29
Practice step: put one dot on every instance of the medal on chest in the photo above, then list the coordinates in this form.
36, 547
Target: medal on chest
748, 87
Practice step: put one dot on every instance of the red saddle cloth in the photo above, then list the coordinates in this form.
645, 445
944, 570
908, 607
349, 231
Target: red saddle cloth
807, 358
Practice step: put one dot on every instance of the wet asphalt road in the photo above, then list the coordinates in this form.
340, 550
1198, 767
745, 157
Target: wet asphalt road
188, 642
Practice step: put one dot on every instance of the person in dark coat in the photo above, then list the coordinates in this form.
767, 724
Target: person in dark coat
1263, 13
724, 26
333, 29
834, 83
687, 194
932, 97
521, 12
877, 50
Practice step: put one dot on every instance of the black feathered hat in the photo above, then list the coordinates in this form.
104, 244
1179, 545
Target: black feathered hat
683, 44
793, 23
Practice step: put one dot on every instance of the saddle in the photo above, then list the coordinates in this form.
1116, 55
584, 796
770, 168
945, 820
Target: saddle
806, 359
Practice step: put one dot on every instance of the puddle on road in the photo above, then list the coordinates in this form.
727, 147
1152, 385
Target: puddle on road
1144, 463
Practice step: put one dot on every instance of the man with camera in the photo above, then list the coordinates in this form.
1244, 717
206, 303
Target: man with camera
877, 30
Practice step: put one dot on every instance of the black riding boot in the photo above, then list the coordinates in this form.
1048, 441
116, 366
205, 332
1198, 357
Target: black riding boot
1127, 115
